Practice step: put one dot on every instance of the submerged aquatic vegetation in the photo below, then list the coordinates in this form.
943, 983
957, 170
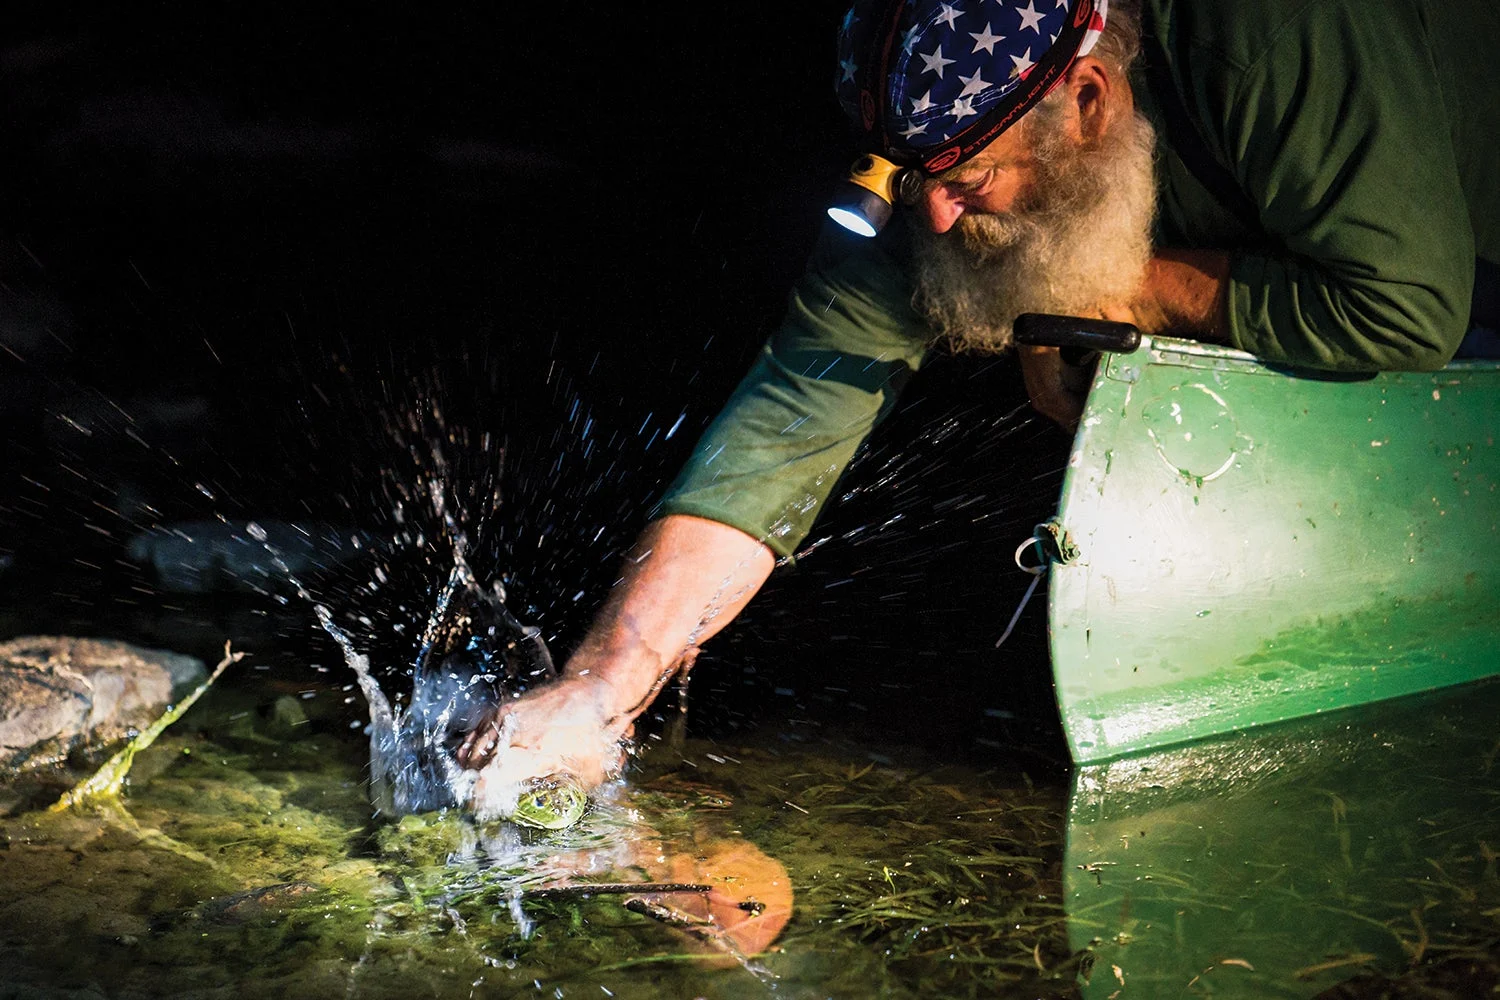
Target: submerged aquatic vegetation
250, 859
941, 879
239, 860
1353, 846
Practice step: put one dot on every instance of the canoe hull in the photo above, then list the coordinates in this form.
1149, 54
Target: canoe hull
1253, 546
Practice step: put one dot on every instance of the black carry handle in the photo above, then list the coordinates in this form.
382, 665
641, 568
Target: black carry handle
1047, 330
1081, 339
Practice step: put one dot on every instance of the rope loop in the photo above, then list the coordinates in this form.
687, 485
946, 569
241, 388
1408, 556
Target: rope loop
1041, 535
1038, 541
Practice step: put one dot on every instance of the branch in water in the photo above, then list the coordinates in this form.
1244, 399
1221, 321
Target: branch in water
584, 890
107, 781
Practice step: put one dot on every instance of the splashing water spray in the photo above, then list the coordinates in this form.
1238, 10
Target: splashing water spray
474, 654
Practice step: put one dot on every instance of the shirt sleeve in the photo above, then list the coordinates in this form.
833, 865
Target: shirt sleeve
847, 347
1339, 133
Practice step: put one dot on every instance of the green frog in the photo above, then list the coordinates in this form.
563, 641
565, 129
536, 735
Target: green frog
552, 803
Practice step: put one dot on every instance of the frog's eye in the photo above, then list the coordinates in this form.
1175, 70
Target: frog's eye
539, 802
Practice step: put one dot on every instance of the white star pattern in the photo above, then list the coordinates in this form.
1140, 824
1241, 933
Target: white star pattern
935, 62
986, 39
1030, 18
973, 84
929, 110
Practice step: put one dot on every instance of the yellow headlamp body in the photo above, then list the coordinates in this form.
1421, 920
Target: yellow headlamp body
865, 198
877, 175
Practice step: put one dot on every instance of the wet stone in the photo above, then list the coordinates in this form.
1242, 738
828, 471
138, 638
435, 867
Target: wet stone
257, 904
59, 693
286, 715
207, 557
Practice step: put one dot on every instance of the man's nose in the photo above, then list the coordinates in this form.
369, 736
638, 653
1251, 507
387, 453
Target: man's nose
941, 208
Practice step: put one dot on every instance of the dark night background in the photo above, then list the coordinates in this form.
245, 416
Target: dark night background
238, 245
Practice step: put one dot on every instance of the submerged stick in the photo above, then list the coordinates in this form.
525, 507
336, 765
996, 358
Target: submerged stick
107, 781
702, 929
584, 889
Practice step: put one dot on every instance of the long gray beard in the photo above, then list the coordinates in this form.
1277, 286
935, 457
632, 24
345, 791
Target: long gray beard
1082, 241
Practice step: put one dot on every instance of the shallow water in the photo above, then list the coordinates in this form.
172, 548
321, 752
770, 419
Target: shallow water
1352, 856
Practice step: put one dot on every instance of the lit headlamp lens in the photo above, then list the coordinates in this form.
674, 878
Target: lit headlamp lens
859, 211
864, 200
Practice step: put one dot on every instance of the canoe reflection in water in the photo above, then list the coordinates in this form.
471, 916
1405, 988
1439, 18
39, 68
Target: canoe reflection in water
1281, 862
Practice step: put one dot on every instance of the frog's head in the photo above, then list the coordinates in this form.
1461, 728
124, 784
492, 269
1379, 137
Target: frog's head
551, 803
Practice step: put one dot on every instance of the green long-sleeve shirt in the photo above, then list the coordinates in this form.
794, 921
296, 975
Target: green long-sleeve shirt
1365, 135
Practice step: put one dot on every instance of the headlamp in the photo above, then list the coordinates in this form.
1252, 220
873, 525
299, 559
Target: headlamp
864, 200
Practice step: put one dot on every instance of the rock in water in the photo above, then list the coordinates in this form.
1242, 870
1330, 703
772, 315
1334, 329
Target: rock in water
208, 557
57, 692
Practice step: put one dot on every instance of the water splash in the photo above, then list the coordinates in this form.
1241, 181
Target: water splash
473, 654
524, 924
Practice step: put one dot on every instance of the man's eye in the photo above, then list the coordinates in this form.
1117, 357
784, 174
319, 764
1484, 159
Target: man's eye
978, 183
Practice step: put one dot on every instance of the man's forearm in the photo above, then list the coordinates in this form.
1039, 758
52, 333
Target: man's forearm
684, 580
1185, 294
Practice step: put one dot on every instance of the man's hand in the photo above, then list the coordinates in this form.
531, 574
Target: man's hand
570, 726
1057, 389
574, 726
684, 580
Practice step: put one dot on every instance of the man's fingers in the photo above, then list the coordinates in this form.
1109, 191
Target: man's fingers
480, 745
1047, 383
469, 754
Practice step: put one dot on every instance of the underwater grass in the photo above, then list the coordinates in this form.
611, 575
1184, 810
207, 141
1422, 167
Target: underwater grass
946, 880
238, 863
1374, 867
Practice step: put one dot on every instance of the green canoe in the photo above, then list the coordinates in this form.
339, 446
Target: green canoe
1238, 545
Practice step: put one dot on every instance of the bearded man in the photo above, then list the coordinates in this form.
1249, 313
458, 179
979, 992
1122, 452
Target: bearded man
1310, 181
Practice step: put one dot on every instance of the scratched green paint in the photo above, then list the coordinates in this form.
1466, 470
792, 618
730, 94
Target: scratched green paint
1229, 516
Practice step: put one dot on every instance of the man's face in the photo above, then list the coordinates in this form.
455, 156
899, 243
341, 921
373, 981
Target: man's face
994, 182
1041, 220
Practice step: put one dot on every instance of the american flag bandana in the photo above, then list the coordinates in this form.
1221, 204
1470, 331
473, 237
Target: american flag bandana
932, 83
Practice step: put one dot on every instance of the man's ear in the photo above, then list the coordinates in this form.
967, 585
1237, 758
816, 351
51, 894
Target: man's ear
1095, 92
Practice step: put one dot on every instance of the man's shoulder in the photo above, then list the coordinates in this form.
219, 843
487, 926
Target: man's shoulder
884, 258
1237, 35
872, 275
1233, 33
